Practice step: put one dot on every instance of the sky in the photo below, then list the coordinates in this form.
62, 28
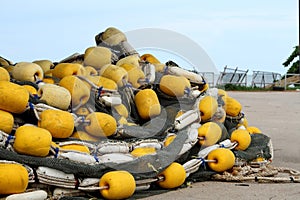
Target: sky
257, 35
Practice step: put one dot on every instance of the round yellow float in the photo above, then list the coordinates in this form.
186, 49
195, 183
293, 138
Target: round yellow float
13, 178
31, 140
115, 73
80, 93
120, 185
224, 159
138, 152
4, 75
101, 124
232, 106
84, 136
76, 147
14, 98
46, 65
174, 176
59, 123
113, 36
147, 104
6, 122
90, 71
101, 81
134, 74
62, 70
97, 57
55, 96
208, 106
27, 71
209, 133
253, 130
121, 110
242, 137
132, 60
175, 86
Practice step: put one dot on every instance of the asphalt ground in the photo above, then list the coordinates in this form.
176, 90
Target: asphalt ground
276, 114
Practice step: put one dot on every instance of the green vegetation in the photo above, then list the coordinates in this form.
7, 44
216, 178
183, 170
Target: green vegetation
233, 87
293, 62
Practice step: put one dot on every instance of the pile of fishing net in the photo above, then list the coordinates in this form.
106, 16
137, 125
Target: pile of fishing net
110, 123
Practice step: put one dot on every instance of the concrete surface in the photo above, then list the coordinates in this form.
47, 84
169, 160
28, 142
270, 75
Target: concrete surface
277, 114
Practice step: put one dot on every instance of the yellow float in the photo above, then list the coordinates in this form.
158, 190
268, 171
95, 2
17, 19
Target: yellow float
117, 184
147, 104
101, 124
80, 93
242, 137
59, 123
13, 178
209, 133
31, 140
173, 176
97, 57
6, 122
27, 71
222, 159
168, 86
208, 106
14, 98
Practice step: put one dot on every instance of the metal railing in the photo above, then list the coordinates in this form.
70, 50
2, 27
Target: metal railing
264, 79
233, 76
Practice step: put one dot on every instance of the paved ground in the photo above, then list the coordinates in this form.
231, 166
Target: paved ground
277, 114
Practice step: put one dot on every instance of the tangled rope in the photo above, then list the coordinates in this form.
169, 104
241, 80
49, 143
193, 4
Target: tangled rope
266, 174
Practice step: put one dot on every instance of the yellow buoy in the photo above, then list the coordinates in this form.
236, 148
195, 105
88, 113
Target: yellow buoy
30, 89
232, 106
76, 147
224, 159
159, 67
14, 98
83, 111
101, 124
253, 130
66, 69
207, 107
59, 123
27, 71
55, 96
31, 140
101, 81
174, 176
115, 73
13, 178
131, 60
209, 133
121, 110
97, 57
141, 151
175, 86
46, 65
135, 74
242, 137
113, 36
120, 185
84, 136
80, 93
150, 58
4, 75
90, 71
6, 122
169, 140
147, 104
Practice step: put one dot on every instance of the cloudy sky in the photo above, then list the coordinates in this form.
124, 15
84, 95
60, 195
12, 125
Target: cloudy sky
254, 35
